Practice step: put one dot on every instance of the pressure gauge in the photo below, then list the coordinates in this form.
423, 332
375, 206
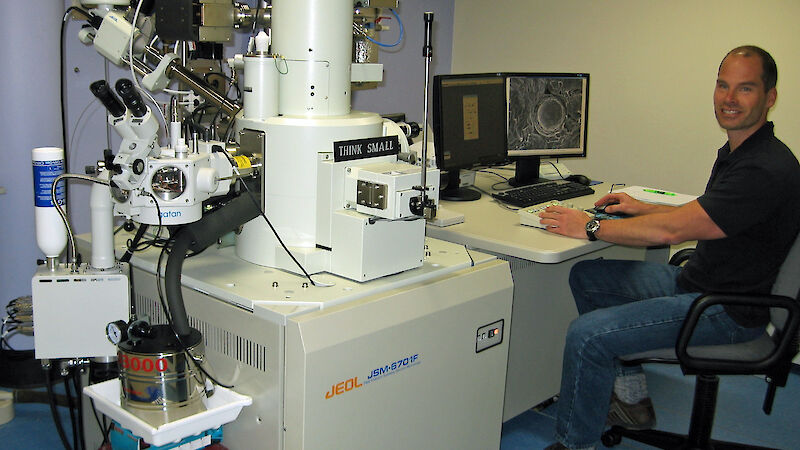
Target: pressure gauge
117, 332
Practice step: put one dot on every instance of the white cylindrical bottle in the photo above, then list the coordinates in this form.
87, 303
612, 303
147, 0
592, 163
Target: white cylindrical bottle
51, 234
102, 209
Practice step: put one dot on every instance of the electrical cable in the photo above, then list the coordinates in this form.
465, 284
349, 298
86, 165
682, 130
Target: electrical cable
20, 307
76, 381
75, 128
615, 185
108, 125
196, 123
176, 92
63, 82
103, 430
158, 211
505, 179
214, 119
132, 243
561, 175
495, 188
71, 407
67, 225
261, 213
85, 13
472, 261
226, 78
503, 205
159, 283
285, 64
219, 110
264, 216
3, 337
280, 241
255, 18
506, 167
54, 410
63, 215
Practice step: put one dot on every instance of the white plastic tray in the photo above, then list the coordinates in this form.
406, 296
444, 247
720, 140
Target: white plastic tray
223, 407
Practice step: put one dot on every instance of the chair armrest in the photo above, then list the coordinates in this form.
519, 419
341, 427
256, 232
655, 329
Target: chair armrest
754, 357
681, 256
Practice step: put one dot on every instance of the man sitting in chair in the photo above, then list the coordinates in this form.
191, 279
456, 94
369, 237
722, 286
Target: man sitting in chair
744, 223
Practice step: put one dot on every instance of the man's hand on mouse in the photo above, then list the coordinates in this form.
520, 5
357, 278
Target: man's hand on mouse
621, 203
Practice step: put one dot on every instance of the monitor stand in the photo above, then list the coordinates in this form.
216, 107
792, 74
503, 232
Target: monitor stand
453, 192
526, 171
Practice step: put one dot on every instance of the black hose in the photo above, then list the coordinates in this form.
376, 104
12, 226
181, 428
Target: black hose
172, 283
197, 237
54, 411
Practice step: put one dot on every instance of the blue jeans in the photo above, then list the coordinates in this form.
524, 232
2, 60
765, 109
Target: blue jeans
624, 307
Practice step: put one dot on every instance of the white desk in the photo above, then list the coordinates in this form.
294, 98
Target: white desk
540, 265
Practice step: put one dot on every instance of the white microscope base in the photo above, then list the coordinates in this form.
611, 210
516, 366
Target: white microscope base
403, 361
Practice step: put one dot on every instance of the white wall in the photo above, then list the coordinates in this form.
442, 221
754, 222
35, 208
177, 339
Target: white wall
653, 66
403, 84
29, 118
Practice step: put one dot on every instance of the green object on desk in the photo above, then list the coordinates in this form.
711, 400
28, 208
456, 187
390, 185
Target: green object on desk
653, 191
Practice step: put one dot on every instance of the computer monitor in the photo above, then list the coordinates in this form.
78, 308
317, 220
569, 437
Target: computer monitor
469, 127
547, 115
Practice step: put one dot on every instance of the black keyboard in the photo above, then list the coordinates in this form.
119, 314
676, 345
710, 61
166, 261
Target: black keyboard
533, 194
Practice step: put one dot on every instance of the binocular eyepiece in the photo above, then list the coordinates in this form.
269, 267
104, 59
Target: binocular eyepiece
127, 92
100, 90
131, 98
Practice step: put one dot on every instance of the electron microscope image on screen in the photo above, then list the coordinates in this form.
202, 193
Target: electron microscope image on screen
545, 113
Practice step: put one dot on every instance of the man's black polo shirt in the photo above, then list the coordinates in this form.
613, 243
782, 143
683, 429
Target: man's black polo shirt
753, 195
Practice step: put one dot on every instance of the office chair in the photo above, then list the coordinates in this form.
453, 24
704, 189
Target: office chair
770, 355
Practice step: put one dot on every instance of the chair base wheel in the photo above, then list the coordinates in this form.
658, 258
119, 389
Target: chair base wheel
611, 438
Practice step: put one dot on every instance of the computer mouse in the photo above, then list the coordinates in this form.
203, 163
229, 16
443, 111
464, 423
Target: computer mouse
602, 208
580, 179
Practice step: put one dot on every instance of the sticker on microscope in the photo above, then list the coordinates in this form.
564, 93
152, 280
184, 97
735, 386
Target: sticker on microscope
393, 368
351, 384
365, 148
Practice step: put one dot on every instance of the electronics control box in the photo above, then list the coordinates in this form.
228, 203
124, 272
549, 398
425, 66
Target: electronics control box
71, 310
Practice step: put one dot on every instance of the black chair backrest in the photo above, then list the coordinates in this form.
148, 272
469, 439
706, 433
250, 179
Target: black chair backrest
787, 283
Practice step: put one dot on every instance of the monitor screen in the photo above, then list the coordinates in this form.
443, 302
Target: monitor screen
469, 124
546, 118
547, 114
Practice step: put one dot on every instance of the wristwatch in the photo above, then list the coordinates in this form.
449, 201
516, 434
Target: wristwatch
591, 228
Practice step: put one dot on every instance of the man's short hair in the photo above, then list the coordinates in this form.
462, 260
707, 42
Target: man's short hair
769, 70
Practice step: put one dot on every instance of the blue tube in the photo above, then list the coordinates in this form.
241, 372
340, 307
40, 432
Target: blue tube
399, 38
